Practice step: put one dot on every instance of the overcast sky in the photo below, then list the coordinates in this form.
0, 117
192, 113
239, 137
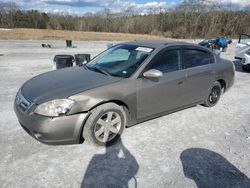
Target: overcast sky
79, 7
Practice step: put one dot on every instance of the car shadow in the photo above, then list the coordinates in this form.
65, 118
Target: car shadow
237, 64
210, 169
114, 169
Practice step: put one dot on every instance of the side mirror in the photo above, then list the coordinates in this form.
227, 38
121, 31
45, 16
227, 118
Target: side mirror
152, 73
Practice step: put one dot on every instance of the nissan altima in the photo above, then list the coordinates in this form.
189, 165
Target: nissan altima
127, 84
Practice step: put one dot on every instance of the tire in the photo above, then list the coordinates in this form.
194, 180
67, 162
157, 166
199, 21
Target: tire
244, 68
224, 49
213, 95
105, 124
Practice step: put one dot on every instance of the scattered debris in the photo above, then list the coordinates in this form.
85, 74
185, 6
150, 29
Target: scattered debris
68, 43
46, 45
226, 133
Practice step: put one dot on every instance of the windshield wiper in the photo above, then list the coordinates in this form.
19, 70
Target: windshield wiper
100, 70
85, 66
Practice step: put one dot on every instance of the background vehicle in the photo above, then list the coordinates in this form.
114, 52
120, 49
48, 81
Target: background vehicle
243, 51
127, 84
220, 43
246, 61
243, 46
207, 43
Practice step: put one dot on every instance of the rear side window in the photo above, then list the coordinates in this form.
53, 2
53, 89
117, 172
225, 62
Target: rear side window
194, 58
167, 61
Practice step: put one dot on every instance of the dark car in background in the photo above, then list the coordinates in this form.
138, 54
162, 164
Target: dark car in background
127, 84
220, 43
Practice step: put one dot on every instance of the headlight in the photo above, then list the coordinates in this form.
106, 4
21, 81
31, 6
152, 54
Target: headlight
55, 107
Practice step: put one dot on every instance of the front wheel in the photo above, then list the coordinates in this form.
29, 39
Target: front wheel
105, 124
213, 95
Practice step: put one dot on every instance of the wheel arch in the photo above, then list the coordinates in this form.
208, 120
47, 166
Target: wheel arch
223, 84
118, 102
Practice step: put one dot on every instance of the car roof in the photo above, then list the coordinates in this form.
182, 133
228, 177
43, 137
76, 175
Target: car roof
158, 43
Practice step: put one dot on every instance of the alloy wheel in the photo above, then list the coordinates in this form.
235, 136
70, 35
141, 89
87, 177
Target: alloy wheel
107, 126
214, 95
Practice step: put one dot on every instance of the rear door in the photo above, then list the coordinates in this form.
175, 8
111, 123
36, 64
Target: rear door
242, 46
199, 65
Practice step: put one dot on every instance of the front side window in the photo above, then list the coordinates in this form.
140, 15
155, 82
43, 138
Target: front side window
167, 61
194, 58
121, 60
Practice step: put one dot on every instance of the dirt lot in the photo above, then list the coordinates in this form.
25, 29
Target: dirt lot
47, 34
197, 147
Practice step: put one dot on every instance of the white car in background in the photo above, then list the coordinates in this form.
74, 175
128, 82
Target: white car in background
246, 61
243, 51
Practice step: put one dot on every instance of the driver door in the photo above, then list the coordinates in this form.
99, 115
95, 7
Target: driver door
163, 94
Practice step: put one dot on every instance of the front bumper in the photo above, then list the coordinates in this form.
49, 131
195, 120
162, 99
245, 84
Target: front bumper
53, 131
246, 60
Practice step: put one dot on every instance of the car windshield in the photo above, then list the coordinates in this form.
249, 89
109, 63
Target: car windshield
121, 60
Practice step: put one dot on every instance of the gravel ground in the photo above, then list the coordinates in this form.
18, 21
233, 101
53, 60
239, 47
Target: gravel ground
196, 147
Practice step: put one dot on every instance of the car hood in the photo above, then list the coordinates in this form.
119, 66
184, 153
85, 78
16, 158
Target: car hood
63, 83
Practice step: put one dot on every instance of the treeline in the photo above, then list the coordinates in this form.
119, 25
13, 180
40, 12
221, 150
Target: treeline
12, 17
189, 20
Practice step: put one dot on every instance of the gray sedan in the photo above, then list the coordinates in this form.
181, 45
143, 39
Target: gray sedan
127, 84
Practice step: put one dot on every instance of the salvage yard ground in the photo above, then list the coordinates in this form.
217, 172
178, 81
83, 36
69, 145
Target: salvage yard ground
196, 147
47, 34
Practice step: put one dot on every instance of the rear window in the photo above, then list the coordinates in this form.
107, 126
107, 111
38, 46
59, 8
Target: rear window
195, 57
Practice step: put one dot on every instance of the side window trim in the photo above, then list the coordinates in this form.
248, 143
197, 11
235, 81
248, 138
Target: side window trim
212, 60
179, 49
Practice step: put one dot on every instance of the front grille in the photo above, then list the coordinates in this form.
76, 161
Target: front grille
22, 103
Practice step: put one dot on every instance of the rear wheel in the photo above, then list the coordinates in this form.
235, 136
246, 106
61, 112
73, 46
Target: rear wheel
105, 124
244, 68
213, 95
